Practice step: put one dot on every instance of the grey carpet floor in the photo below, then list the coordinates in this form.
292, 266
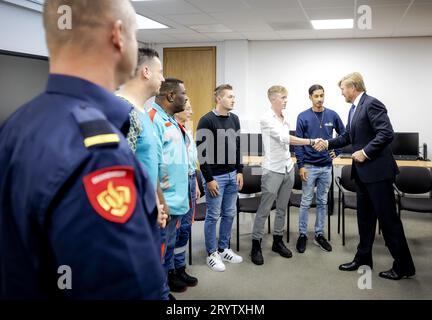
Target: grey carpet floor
313, 274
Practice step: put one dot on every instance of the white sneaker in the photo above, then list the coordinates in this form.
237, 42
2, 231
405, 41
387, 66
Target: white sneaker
230, 256
215, 263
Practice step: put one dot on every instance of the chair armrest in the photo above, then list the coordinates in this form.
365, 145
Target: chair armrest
339, 184
399, 193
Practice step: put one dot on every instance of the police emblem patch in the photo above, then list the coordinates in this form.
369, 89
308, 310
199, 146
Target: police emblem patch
111, 192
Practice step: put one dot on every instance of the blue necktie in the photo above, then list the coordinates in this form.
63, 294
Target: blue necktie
351, 114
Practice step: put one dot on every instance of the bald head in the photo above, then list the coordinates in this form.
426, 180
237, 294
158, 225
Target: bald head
88, 19
92, 39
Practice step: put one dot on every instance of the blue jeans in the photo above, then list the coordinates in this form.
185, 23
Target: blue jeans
185, 227
168, 238
321, 178
223, 206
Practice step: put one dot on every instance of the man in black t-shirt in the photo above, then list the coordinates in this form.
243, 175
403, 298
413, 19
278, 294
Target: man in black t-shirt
218, 143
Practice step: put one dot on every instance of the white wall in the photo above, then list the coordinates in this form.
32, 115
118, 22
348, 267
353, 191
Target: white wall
21, 30
395, 70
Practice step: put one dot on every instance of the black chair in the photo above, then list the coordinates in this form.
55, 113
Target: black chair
295, 199
413, 181
347, 198
200, 211
251, 185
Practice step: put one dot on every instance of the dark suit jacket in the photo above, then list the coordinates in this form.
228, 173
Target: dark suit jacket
372, 131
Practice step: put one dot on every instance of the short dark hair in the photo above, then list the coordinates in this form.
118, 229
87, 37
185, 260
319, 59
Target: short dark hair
144, 55
315, 87
219, 89
169, 85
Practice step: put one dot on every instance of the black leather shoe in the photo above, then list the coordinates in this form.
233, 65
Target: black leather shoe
186, 278
393, 275
350, 266
279, 247
175, 283
256, 253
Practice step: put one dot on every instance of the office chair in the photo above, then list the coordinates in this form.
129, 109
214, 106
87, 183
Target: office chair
413, 181
200, 212
346, 197
251, 185
295, 201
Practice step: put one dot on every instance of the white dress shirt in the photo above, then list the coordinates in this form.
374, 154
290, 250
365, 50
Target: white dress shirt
276, 139
356, 102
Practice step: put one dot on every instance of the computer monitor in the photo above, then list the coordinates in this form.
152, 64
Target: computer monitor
22, 78
292, 147
244, 144
255, 144
405, 143
347, 149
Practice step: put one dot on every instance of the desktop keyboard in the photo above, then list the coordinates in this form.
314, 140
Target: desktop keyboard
405, 157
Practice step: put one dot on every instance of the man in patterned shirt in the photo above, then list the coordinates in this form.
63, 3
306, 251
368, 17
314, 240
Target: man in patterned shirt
141, 137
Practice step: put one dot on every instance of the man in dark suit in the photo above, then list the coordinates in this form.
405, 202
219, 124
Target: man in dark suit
374, 169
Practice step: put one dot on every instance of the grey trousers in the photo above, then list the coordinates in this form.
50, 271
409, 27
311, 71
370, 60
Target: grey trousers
274, 186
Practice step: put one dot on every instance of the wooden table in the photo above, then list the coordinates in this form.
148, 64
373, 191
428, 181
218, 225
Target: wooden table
257, 160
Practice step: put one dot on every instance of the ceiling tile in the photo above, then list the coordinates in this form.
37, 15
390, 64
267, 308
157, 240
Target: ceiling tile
290, 25
383, 3
204, 28
384, 21
190, 37
189, 19
165, 7
214, 6
330, 13
275, 5
221, 36
246, 21
418, 16
308, 4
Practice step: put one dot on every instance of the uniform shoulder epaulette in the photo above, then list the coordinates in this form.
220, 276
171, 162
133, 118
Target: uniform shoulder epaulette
94, 126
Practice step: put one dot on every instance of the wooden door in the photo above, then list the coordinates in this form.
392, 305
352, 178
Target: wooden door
196, 66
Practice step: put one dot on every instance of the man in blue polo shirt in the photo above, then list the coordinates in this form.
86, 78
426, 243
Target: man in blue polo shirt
315, 167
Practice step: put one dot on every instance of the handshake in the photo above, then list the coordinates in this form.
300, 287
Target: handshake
320, 144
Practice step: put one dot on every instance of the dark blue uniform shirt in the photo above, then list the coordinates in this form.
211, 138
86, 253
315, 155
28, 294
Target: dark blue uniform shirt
57, 210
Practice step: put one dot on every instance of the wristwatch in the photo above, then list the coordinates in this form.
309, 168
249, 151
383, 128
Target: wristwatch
311, 142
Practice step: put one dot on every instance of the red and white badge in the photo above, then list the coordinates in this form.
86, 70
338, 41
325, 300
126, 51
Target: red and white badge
112, 193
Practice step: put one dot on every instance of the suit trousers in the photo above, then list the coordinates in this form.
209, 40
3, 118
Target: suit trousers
377, 201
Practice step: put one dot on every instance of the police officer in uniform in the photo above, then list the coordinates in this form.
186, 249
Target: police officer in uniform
77, 212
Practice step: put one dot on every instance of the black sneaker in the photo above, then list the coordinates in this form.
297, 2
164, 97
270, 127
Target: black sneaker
301, 243
321, 242
175, 283
188, 279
